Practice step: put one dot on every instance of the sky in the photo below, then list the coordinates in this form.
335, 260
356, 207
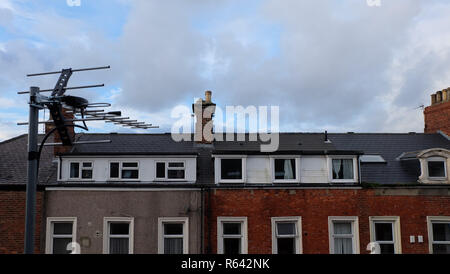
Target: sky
340, 66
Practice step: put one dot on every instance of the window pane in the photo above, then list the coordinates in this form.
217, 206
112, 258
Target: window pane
436, 169
286, 245
130, 174
387, 248
173, 246
231, 169
60, 245
173, 229
231, 228
342, 169
176, 164
175, 174
86, 174
383, 232
114, 170
441, 249
232, 246
343, 246
119, 228
129, 165
62, 228
74, 170
284, 169
286, 229
441, 232
88, 165
342, 228
160, 170
118, 246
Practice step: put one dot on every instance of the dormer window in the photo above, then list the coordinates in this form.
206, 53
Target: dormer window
434, 163
124, 170
342, 169
230, 169
81, 170
436, 168
284, 169
170, 171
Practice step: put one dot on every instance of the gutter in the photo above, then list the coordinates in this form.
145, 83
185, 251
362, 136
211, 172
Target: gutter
444, 135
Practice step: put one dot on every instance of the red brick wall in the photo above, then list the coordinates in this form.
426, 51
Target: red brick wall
437, 117
12, 221
314, 206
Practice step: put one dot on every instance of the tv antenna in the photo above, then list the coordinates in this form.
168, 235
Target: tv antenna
83, 111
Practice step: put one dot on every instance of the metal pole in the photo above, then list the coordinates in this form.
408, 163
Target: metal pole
32, 171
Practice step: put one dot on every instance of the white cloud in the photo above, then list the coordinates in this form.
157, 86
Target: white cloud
352, 69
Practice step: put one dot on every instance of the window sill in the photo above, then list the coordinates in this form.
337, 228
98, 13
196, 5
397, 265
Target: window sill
123, 180
286, 181
231, 181
437, 178
171, 181
343, 181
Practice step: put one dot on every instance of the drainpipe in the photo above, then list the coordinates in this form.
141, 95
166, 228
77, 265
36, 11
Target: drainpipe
359, 169
208, 216
202, 220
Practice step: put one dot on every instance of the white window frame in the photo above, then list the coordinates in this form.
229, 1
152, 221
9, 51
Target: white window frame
430, 221
218, 168
106, 236
355, 230
298, 239
175, 220
121, 162
287, 157
49, 233
396, 231
437, 159
167, 168
342, 157
244, 233
80, 170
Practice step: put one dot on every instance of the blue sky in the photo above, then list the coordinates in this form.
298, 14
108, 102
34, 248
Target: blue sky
329, 65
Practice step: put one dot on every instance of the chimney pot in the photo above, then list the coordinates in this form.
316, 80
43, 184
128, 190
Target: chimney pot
445, 95
439, 96
208, 95
433, 99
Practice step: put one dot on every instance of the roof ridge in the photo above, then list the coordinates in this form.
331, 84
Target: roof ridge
13, 139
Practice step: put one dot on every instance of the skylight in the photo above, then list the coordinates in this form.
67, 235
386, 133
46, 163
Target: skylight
372, 159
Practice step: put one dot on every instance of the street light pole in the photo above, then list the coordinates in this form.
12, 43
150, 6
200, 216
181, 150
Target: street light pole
32, 170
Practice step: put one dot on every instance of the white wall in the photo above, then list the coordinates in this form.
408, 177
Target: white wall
312, 169
147, 167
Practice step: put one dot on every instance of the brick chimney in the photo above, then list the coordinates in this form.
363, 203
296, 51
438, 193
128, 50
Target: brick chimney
437, 116
204, 113
57, 150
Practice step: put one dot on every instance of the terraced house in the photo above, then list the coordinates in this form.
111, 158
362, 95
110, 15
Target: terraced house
318, 193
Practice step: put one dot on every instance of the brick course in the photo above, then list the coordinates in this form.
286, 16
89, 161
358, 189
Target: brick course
437, 117
314, 206
12, 221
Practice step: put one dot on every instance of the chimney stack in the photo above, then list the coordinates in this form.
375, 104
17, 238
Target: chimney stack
437, 116
57, 150
204, 113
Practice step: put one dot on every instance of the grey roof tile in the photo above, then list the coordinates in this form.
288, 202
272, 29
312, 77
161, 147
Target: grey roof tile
13, 162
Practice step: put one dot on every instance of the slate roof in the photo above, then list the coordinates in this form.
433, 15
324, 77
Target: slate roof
13, 162
389, 146
295, 143
13, 155
133, 144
